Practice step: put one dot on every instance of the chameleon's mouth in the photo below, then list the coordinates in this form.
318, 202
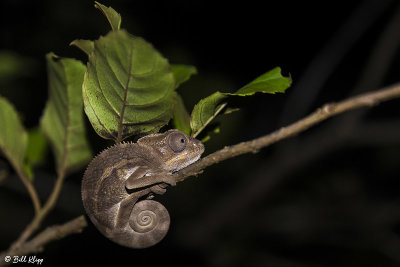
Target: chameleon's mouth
192, 161
187, 163
200, 148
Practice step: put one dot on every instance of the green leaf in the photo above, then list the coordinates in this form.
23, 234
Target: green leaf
182, 73
37, 147
13, 137
112, 16
271, 82
181, 119
128, 87
62, 121
87, 46
208, 108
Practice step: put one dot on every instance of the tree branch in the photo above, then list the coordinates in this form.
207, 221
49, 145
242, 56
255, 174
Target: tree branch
42, 213
48, 235
323, 113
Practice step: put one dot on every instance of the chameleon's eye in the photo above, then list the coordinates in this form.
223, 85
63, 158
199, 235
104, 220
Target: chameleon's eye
177, 142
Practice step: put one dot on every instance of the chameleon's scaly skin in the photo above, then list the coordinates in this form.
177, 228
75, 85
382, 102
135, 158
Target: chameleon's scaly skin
123, 174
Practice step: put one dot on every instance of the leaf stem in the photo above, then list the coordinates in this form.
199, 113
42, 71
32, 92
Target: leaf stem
221, 107
27, 183
31, 190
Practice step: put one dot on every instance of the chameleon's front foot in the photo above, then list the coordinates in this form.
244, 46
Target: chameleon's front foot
160, 189
157, 189
169, 179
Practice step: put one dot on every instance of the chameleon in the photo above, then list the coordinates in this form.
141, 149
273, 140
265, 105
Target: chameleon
120, 182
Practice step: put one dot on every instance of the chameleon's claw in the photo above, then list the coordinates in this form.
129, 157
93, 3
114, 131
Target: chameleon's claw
150, 196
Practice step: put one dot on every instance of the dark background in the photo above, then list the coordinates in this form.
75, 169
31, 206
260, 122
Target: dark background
328, 197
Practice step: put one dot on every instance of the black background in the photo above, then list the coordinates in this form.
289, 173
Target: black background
328, 197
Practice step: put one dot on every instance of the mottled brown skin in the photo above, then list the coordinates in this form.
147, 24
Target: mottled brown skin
119, 182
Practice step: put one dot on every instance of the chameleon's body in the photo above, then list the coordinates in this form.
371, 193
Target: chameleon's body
117, 180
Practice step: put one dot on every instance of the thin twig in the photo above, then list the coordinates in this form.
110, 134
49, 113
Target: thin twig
31, 190
27, 183
323, 113
50, 234
37, 220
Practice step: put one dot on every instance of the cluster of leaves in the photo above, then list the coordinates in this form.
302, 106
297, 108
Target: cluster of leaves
127, 88
61, 123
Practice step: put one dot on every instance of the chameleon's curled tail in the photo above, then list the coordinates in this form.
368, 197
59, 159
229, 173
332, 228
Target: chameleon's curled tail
148, 224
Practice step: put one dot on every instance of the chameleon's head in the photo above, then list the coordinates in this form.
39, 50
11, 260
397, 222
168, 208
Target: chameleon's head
176, 148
